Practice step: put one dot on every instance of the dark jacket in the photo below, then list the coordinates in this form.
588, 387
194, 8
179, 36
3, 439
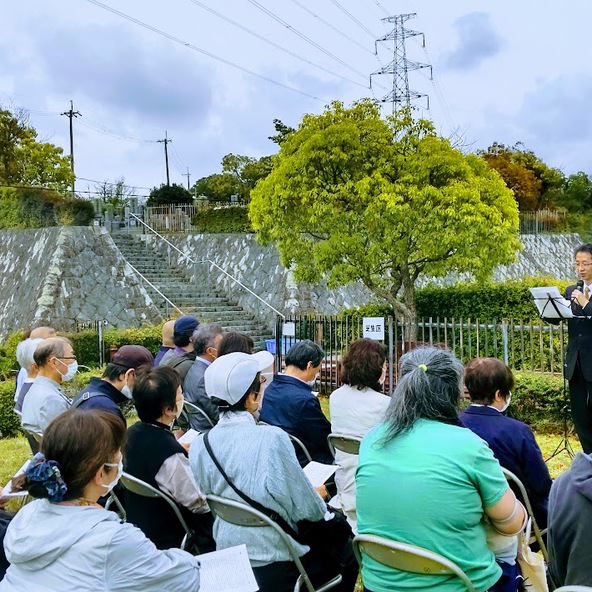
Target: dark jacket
513, 444
570, 516
194, 391
579, 345
147, 447
162, 350
100, 394
288, 403
5, 518
179, 362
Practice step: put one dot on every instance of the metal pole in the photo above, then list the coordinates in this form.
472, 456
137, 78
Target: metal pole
505, 340
391, 354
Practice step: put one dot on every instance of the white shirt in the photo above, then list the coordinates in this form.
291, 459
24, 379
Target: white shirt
353, 413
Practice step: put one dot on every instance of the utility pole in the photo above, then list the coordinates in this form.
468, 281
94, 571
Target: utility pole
399, 68
188, 175
166, 142
71, 114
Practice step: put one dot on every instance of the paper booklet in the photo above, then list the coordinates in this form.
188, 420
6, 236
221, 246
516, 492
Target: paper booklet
551, 304
228, 570
318, 473
7, 490
188, 436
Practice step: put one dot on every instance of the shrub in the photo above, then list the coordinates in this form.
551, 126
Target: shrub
10, 424
217, 220
493, 300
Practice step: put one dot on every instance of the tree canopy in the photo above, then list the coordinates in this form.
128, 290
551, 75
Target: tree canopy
535, 185
353, 197
169, 194
24, 161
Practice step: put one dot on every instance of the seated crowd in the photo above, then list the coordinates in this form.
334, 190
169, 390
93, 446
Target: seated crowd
427, 473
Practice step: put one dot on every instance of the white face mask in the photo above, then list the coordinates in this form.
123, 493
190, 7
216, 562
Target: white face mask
71, 370
126, 391
311, 382
507, 404
115, 481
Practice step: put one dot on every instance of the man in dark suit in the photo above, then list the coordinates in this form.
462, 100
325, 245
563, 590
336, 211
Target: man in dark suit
578, 362
489, 383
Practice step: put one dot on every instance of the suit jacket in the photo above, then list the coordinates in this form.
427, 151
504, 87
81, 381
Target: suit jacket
513, 444
288, 403
579, 344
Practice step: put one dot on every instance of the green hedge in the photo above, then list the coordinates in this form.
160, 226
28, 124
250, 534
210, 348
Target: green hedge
40, 208
222, 220
492, 300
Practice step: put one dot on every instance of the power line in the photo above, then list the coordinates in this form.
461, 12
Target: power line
203, 51
97, 127
51, 189
331, 26
276, 45
301, 35
353, 18
109, 183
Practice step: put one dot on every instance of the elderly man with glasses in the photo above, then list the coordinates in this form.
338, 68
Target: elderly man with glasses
578, 362
45, 400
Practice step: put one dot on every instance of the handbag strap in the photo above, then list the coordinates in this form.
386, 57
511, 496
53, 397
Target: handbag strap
279, 520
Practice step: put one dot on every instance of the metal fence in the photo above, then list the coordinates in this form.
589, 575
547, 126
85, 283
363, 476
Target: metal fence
542, 222
532, 345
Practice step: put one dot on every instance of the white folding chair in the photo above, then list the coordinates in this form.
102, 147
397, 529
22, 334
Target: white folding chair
538, 533
113, 499
405, 557
244, 515
574, 589
344, 443
144, 489
193, 409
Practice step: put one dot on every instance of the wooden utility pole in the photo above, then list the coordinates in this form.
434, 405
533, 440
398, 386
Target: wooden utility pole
188, 175
71, 114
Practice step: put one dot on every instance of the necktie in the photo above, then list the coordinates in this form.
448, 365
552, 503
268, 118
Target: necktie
587, 292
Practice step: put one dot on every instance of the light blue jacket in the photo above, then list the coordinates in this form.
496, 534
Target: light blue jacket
261, 462
53, 547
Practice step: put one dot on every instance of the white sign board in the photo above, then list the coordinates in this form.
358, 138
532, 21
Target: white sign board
289, 329
374, 328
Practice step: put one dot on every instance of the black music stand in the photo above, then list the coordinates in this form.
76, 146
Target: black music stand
560, 312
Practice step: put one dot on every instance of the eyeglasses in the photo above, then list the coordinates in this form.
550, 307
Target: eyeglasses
584, 265
66, 357
262, 379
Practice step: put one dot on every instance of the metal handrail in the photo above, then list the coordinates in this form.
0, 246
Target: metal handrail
155, 288
194, 262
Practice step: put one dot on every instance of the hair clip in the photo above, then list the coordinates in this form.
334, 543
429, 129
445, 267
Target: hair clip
423, 367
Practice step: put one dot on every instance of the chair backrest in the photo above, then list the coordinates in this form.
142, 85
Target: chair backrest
512, 478
300, 444
242, 514
410, 558
192, 408
35, 435
349, 444
144, 489
574, 589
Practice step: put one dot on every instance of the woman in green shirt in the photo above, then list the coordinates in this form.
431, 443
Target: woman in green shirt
425, 480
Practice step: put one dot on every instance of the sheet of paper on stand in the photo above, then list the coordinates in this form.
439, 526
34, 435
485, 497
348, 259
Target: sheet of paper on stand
318, 473
188, 436
7, 491
551, 304
228, 570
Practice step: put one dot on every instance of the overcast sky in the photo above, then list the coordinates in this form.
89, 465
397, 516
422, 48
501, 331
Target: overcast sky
503, 71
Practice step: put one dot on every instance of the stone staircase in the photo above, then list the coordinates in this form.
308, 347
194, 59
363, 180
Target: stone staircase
203, 301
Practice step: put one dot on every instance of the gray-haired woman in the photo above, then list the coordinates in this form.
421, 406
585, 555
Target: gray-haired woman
425, 480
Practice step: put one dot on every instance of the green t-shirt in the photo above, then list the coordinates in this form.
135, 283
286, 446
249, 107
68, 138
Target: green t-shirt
429, 488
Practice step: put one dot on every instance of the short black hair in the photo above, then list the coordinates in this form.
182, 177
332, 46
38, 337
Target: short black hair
114, 371
155, 389
303, 352
585, 248
235, 342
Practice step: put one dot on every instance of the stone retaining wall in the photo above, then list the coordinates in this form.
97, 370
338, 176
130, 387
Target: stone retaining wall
58, 276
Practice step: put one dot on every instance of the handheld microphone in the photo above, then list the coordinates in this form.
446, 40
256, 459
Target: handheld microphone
580, 285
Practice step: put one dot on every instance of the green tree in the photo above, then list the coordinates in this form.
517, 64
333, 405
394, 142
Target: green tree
114, 194
577, 196
283, 131
353, 197
169, 194
24, 160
